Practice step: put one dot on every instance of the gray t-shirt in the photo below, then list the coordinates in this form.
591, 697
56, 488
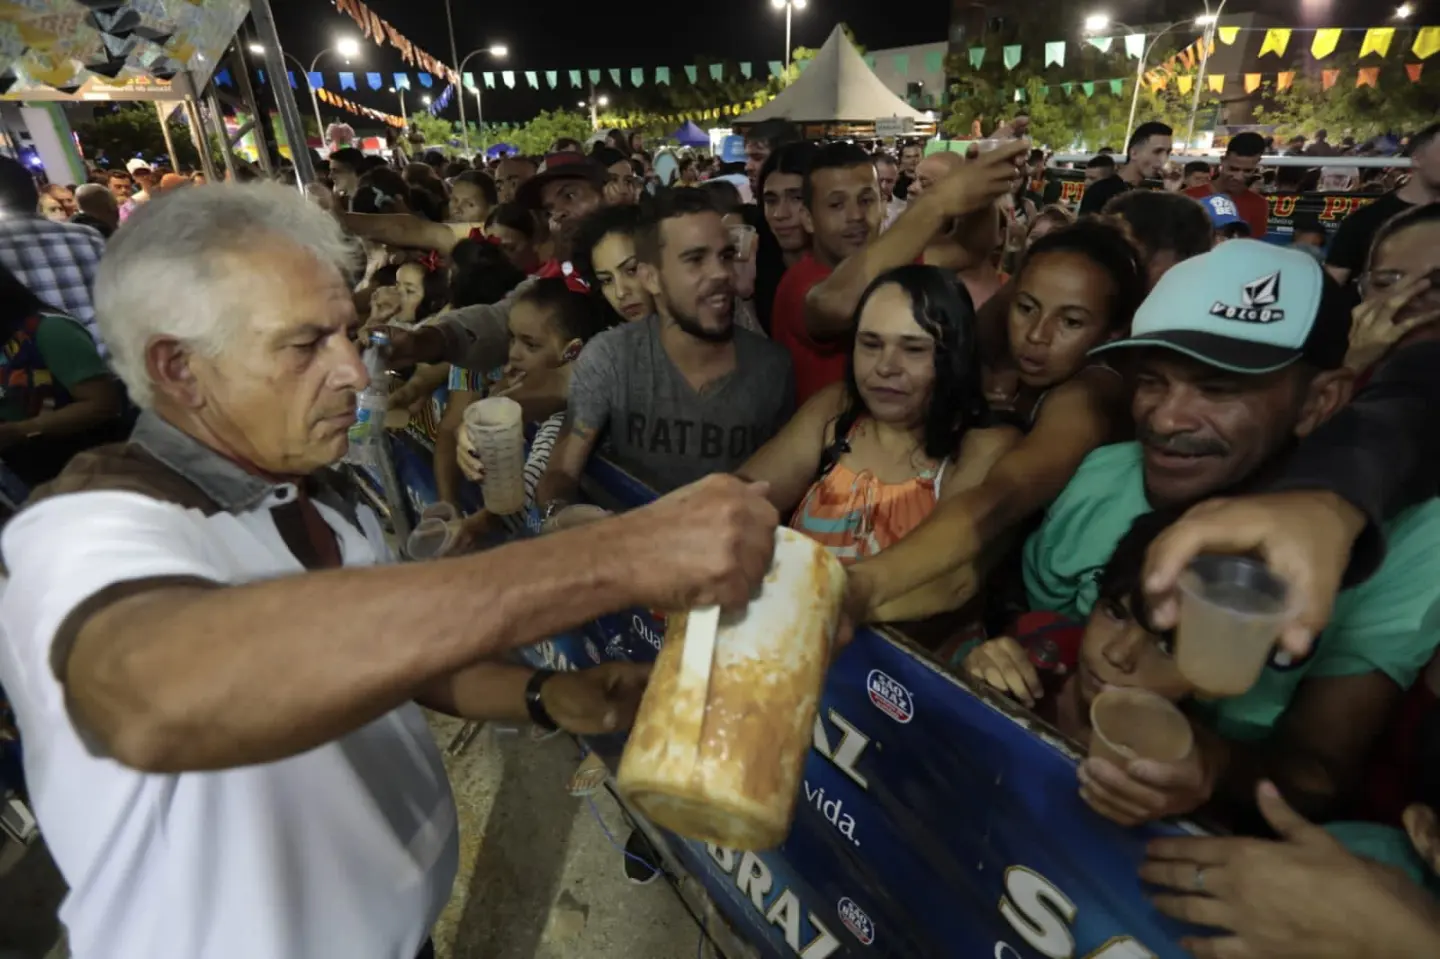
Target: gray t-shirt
660, 429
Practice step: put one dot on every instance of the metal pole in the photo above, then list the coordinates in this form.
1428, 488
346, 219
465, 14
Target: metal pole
315, 98
1205, 43
217, 116
459, 81
594, 114
1135, 95
201, 141
789, 9
289, 114
241, 69
479, 116
165, 131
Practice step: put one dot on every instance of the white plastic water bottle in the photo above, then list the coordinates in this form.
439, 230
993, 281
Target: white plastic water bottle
372, 403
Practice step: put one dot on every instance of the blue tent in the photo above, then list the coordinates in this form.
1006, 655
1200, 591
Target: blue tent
500, 150
691, 136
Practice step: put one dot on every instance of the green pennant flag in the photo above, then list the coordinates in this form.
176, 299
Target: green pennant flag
615, 75
776, 68
1055, 53
746, 69
1117, 87
552, 77
1012, 56
1089, 88
934, 61
1044, 91
1069, 88
977, 57
802, 65
902, 64
575, 82
508, 76
637, 76
869, 59
532, 79
717, 71
469, 79
1102, 43
693, 72
662, 75
1019, 95
489, 81
594, 77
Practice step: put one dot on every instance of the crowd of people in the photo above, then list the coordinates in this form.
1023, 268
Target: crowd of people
1012, 422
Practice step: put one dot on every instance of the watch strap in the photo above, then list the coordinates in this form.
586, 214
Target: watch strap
534, 705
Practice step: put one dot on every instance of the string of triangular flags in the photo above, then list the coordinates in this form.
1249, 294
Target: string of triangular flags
326, 96
381, 31
1216, 83
1378, 41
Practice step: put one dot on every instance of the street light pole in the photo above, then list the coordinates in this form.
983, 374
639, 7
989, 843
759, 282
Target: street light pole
790, 6
497, 50
1145, 52
1211, 20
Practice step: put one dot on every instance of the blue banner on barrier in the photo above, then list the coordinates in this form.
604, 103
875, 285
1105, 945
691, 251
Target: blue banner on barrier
932, 821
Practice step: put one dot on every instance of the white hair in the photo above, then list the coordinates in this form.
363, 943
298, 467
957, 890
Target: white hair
171, 269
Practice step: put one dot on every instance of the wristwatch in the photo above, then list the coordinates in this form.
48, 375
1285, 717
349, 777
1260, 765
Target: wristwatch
551, 508
534, 705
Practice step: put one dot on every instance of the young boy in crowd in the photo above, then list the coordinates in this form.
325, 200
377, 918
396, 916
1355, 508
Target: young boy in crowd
549, 325
1115, 648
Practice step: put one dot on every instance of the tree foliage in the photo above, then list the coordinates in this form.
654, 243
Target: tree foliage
534, 138
122, 131
438, 133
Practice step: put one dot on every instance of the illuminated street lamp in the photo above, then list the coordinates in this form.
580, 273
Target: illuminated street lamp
1404, 11
789, 6
497, 50
347, 47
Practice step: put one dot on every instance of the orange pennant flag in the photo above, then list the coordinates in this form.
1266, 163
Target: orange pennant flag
1185, 83
1187, 57
1328, 78
1284, 80
1414, 70
1252, 82
1368, 77
1217, 82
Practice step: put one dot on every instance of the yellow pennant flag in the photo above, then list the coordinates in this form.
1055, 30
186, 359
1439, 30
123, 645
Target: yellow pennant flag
1217, 82
1185, 83
1427, 42
1276, 42
1377, 40
1252, 82
1228, 35
1324, 43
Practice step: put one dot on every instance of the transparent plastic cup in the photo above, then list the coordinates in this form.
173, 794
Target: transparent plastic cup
1231, 611
431, 539
497, 430
1131, 724
440, 511
744, 237
572, 516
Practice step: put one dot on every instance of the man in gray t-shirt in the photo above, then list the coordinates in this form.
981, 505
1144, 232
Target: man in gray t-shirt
685, 392
660, 428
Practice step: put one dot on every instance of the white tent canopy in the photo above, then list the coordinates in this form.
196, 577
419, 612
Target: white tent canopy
836, 87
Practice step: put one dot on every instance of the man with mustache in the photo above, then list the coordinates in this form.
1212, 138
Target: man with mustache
216, 681
1236, 355
683, 393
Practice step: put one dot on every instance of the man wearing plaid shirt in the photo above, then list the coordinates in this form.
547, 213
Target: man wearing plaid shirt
57, 261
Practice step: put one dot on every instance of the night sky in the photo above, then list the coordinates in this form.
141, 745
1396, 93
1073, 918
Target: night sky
619, 33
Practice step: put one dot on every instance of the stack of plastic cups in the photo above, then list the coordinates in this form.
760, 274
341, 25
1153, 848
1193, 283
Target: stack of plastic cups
497, 430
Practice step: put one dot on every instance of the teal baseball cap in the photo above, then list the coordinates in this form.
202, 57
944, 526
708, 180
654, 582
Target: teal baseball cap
1246, 307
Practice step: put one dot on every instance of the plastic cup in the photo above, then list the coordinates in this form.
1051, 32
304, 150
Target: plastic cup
988, 144
744, 237
497, 430
1231, 611
441, 511
573, 516
1131, 724
431, 539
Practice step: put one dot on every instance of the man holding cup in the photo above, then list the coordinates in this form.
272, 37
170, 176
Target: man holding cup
1235, 356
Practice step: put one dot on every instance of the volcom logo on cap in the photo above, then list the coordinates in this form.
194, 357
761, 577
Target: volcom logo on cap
1257, 301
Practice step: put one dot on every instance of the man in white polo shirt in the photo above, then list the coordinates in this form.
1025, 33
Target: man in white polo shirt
221, 738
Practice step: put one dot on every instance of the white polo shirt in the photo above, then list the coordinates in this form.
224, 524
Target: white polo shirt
346, 851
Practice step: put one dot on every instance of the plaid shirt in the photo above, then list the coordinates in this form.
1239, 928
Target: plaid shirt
57, 261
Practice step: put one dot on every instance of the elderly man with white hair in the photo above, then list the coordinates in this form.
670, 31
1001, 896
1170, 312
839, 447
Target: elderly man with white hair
215, 684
